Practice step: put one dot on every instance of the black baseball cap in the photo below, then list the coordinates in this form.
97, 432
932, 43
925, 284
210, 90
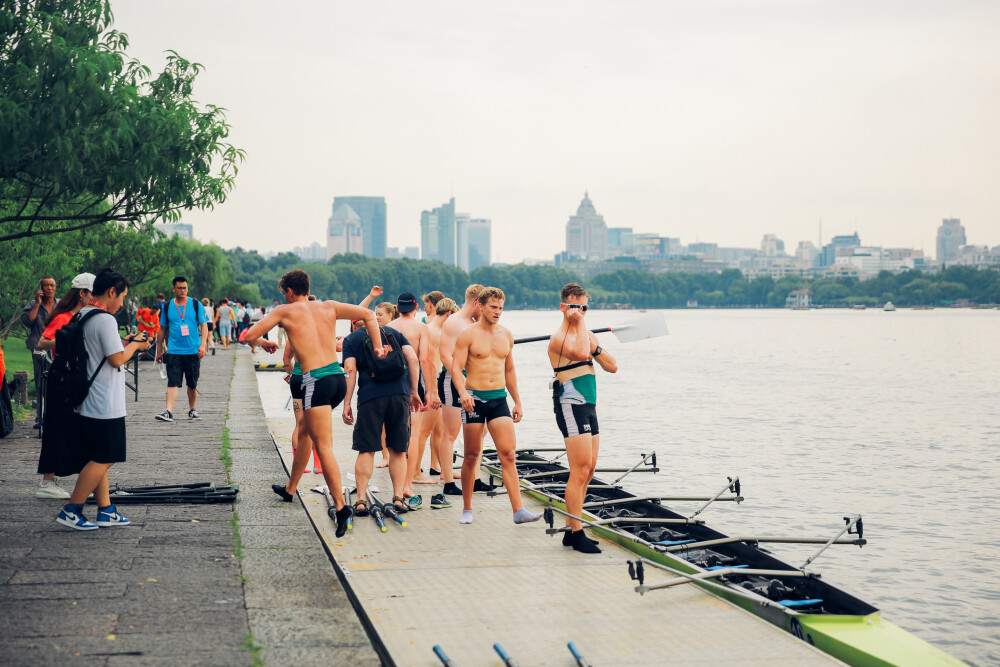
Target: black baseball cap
406, 302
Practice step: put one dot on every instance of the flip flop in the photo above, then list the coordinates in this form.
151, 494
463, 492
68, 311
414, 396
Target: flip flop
361, 508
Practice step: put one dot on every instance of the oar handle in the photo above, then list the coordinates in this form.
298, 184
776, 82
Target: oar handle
535, 339
580, 660
442, 656
507, 660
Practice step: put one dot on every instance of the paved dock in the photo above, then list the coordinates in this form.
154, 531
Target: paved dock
170, 589
468, 587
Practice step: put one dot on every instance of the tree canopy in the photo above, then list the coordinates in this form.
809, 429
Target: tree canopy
90, 136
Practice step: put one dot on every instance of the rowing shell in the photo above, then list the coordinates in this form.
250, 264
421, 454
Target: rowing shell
801, 603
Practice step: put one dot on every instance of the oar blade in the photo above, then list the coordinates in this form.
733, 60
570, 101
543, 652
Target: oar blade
648, 325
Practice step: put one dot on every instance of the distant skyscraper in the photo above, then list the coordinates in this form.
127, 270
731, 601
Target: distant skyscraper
410, 251
437, 233
372, 212
619, 237
473, 235
344, 232
950, 237
586, 232
838, 243
181, 229
772, 246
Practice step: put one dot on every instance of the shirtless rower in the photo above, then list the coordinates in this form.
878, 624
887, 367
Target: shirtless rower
309, 325
451, 405
572, 352
485, 352
430, 423
417, 334
431, 300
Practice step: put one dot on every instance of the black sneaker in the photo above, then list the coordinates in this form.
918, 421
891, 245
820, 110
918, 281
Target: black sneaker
451, 489
439, 502
165, 416
193, 414
480, 485
568, 539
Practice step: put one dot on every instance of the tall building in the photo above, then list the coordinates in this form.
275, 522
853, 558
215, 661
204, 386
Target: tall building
181, 229
372, 212
950, 237
619, 237
345, 232
313, 252
838, 245
437, 233
586, 232
772, 246
410, 252
473, 239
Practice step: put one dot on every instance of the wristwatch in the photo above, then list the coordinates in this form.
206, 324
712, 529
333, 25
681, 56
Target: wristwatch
598, 351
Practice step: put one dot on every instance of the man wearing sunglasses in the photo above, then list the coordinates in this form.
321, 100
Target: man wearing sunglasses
573, 349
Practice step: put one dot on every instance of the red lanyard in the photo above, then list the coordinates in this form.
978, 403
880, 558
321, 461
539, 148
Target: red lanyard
181, 312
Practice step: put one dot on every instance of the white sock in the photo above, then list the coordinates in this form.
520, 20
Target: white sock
466, 516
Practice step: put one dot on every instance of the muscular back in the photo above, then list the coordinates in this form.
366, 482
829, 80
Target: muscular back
455, 325
415, 332
311, 328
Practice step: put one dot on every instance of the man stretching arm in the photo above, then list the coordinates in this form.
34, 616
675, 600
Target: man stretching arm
308, 325
484, 352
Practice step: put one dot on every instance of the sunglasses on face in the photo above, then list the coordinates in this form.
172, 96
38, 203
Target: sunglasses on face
582, 307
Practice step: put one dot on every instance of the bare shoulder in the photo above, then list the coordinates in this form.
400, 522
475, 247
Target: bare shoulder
465, 336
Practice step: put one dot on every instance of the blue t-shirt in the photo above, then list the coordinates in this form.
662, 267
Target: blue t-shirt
194, 314
354, 346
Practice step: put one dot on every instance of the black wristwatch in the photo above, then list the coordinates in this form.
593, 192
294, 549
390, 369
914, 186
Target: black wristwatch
598, 351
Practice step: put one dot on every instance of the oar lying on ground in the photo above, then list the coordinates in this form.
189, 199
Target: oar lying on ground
331, 511
388, 509
648, 325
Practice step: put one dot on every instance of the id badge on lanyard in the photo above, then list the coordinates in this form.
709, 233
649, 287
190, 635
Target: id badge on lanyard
185, 331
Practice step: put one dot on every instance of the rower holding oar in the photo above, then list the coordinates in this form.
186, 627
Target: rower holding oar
572, 352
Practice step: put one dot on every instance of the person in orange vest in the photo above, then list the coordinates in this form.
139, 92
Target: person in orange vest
148, 320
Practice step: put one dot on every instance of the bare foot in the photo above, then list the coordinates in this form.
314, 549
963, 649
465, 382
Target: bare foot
407, 492
424, 479
384, 464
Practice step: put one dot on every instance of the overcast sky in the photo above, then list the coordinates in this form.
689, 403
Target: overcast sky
711, 121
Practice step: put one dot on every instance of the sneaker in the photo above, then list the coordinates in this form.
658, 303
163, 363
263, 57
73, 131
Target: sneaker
48, 488
193, 414
72, 516
165, 416
414, 503
109, 516
439, 501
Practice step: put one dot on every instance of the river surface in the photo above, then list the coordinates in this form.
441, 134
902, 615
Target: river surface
822, 414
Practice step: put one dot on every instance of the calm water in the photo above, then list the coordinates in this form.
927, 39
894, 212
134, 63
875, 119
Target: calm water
822, 414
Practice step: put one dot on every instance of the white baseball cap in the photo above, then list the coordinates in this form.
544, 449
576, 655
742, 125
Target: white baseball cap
84, 281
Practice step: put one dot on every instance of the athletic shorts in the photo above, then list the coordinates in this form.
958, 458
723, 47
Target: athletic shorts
575, 418
225, 329
326, 391
211, 326
447, 391
487, 411
421, 390
391, 412
295, 386
101, 440
186, 365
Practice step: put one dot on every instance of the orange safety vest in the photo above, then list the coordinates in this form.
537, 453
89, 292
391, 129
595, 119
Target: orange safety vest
148, 320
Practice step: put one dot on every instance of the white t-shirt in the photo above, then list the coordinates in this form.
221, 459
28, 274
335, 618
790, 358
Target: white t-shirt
210, 313
106, 399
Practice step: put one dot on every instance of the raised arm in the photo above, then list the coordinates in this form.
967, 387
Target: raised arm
347, 311
257, 331
604, 359
573, 341
375, 291
510, 379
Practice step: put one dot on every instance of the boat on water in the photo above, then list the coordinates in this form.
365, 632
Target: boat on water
736, 569
889, 307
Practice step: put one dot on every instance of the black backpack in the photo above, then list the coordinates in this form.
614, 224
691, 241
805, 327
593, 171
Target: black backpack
166, 314
390, 368
67, 377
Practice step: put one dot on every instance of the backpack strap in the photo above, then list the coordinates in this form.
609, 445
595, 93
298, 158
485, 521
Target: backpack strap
83, 320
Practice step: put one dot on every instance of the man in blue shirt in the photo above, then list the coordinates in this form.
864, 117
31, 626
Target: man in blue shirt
184, 331
380, 405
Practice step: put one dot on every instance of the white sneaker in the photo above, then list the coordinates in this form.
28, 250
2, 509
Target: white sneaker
49, 489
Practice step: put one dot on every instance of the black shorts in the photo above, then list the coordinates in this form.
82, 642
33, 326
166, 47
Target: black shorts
326, 391
211, 326
295, 386
188, 365
447, 391
575, 418
101, 440
421, 390
487, 411
391, 412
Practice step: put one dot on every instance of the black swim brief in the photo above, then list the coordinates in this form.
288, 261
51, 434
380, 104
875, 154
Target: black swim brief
328, 390
295, 386
575, 418
486, 410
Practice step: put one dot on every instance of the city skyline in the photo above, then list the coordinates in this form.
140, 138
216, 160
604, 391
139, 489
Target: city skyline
711, 122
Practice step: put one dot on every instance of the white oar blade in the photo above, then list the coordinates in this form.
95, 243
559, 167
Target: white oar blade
649, 325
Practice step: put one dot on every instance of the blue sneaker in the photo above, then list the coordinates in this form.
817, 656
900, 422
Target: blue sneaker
109, 516
72, 516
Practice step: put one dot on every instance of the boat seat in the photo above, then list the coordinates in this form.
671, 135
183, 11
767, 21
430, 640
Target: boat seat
799, 603
671, 543
723, 567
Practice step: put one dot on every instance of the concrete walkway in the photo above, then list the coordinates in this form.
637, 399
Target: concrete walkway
170, 590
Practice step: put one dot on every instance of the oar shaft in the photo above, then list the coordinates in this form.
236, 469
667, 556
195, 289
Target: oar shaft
535, 339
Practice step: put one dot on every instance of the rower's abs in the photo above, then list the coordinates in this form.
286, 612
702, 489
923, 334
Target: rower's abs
487, 359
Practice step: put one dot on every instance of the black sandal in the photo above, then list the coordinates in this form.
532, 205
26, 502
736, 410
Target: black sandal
402, 506
361, 508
